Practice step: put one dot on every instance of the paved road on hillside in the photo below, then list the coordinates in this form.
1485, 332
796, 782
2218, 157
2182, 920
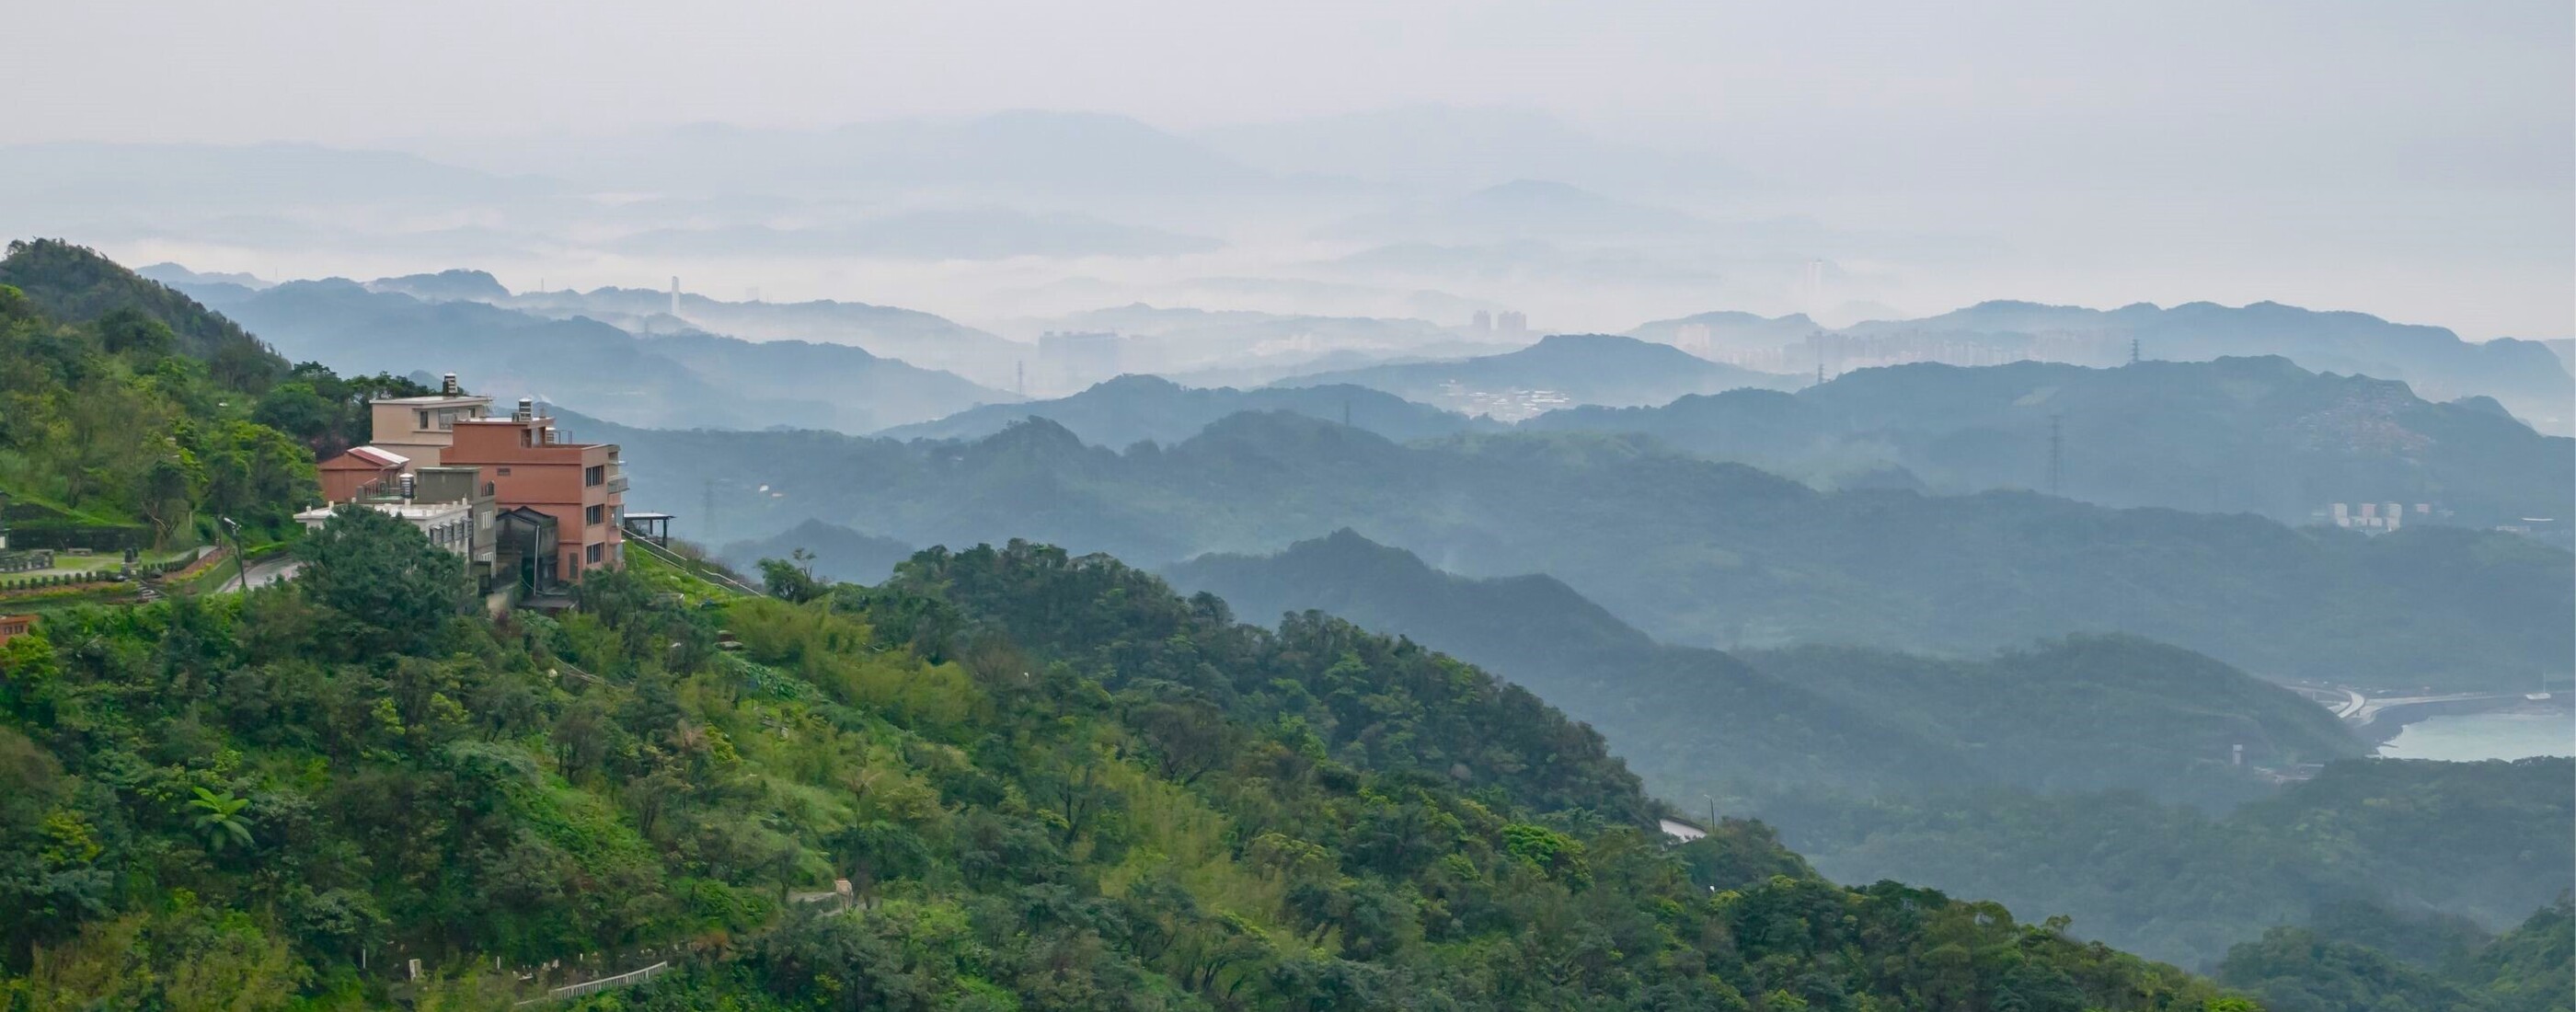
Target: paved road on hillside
272, 570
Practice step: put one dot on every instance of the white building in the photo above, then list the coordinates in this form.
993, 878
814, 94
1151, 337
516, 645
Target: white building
449, 525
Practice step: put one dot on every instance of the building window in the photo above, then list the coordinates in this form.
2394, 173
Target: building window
592, 515
424, 421
593, 553
502, 471
594, 475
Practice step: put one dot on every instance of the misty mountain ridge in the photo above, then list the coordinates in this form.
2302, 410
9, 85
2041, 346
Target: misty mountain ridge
1029, 150
2524, 375
1600, 369
1436, 147
1132, 409
2255, 435
1693, 551
663, 380
2116, 713
969, 233
833, 552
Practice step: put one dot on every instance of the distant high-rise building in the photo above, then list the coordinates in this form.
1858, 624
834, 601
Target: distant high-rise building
1511, 323
675, 295
1483, 324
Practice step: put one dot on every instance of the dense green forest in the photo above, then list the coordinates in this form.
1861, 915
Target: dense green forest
2379, 963
1694, 552
2257, 435
2483, 840
1989, 777
132, 417
1052, 782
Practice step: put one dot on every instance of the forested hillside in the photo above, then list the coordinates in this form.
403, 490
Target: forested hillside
2421, 965
1694, 552
130, 416
2077, 777
2255, 435
2087, 713
2486, 841
1051, 782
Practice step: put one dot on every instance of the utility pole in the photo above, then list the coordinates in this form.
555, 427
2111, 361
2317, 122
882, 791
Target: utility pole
2056, 453
1346, 412
241, 563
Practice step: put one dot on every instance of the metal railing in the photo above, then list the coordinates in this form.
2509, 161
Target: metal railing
602, 984
709, 574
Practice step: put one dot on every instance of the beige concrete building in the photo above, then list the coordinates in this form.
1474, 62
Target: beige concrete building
419, 429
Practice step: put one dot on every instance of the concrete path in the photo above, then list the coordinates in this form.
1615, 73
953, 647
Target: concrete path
270, 570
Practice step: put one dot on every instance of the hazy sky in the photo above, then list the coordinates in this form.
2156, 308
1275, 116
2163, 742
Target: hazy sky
2458, 120
2494, 76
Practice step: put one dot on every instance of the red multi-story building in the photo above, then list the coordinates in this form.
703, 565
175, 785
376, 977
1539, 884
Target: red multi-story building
530, 466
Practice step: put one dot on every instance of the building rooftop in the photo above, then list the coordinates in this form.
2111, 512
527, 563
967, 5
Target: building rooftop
379, 456
435, 400
404, 510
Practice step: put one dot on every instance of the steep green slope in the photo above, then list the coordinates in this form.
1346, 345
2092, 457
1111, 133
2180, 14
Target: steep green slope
1693, 552
1984, 776
2530, 969
2083, 713
131, 428
2485, 840
1051, 783
72, 283
2257, 435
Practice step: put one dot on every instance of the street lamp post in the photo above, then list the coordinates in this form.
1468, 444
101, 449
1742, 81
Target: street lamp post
241, 563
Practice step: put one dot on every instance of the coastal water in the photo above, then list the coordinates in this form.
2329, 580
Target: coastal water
2473, 736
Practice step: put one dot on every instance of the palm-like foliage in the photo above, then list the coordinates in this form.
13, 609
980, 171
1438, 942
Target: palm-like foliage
219, 816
